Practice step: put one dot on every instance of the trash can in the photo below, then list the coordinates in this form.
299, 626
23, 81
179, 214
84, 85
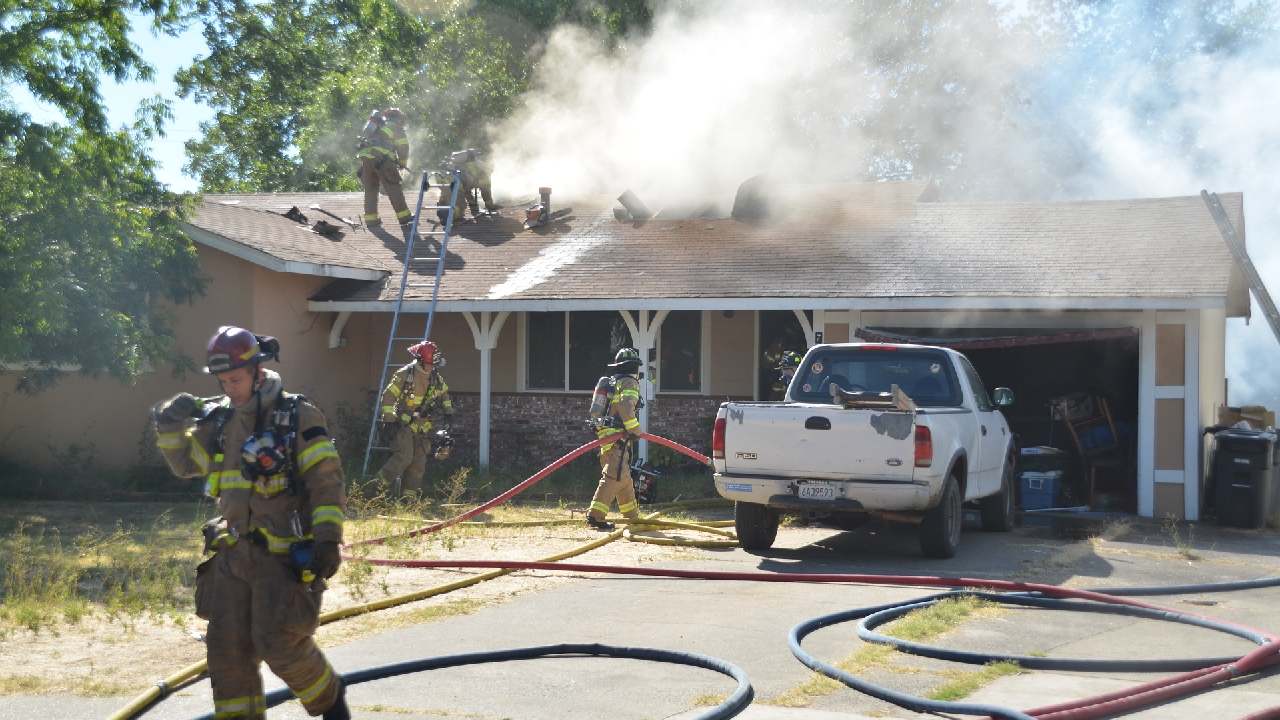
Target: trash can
1244, 468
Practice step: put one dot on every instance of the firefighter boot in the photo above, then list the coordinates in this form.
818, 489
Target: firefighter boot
601, 525
338, 710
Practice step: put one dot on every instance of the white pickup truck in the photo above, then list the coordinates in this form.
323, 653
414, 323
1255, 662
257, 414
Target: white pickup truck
907, 432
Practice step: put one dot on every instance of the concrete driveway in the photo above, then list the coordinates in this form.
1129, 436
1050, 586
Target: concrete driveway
747, 624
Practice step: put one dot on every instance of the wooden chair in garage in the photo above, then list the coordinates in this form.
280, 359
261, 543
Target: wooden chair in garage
1093, 432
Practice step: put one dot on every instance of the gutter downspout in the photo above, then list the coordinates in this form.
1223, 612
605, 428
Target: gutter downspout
335, 333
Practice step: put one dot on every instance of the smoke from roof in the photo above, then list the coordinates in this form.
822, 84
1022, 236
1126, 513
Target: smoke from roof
1010, 99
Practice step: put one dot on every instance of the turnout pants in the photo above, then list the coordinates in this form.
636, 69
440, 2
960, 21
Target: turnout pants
259, 611
615, 482
408, 461
375, 173
486, 194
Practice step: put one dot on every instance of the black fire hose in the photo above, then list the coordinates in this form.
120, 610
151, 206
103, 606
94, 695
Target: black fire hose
868, 623
731, 707
874, 616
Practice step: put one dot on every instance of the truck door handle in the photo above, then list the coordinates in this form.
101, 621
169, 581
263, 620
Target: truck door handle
984, 430
817, 422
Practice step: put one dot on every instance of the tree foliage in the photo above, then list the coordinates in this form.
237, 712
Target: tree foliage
89, 240
293, 80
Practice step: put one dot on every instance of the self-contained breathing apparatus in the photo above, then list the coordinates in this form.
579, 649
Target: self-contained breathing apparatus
267, 453
643, 478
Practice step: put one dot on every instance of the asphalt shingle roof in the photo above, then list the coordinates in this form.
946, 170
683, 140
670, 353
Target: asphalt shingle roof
874, 242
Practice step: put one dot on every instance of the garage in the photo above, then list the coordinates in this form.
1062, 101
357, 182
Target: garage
1076, 390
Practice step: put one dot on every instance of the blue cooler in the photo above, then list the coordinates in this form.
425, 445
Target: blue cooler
1040, 488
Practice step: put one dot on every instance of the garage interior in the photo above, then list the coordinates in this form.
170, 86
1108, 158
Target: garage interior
1075, 390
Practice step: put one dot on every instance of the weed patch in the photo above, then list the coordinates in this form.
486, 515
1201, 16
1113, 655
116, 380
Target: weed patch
962, 684
54, 572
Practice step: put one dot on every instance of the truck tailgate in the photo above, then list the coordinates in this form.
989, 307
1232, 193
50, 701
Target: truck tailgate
823, 442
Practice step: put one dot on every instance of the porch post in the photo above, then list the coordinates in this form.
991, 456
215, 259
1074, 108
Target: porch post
1146, 413
485, 334
644, 333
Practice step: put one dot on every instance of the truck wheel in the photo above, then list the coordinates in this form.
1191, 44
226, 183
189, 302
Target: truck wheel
997, 510
940, 530
756, 525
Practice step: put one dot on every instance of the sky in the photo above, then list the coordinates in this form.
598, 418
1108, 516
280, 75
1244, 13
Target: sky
166, 55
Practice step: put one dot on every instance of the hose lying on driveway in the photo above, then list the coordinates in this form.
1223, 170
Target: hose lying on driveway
734, 704
1217, 670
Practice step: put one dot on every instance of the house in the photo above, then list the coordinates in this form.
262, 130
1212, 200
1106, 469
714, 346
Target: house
1123, 299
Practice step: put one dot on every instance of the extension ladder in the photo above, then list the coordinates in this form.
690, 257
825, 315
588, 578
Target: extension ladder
1242, 259
388, 366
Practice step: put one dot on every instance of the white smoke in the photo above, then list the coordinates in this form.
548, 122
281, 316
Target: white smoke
1226, 107
716, 93
721, 90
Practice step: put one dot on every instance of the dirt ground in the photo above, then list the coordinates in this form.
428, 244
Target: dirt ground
108, 655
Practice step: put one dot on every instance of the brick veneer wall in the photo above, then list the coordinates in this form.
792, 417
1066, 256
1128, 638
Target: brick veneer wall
530, 430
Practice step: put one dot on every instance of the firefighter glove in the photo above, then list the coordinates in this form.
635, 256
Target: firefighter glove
178, 408
327, 559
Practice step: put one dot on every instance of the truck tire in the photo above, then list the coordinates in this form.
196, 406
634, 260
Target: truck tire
940, 530
756, 525
997, 510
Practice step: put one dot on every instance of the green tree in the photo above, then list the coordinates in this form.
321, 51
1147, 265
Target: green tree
90, 241
294, 80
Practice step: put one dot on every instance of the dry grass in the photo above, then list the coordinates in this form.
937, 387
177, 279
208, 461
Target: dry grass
963, 683
57, 568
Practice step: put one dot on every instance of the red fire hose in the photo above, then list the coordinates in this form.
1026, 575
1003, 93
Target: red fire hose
1100, 706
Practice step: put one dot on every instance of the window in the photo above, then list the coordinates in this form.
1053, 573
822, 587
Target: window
571, 346
680, 352
926, 376
980, 396
779, 331
545, 332
594, 338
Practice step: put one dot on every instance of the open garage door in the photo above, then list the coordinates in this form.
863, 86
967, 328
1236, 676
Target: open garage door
1077, 390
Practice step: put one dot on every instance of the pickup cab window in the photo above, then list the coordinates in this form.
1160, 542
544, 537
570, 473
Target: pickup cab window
980, 396
927, 376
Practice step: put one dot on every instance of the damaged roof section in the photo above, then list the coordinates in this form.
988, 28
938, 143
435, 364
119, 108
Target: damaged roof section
862, 241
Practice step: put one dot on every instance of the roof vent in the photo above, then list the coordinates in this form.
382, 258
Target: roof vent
637, 210
750, 204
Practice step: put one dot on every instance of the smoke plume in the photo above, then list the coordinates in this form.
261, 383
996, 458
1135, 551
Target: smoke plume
1013, 99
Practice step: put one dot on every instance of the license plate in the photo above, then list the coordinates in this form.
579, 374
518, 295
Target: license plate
817, 491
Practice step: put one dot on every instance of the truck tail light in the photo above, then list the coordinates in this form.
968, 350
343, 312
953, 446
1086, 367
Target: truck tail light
717, 439
924, 446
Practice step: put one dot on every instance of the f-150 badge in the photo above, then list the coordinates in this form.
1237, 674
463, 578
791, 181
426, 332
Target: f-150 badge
746, 456
893, 462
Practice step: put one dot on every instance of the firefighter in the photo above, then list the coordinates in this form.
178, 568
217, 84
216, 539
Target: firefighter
269, 461
476, 176
786, 369
383, 151
615, 456
411, 403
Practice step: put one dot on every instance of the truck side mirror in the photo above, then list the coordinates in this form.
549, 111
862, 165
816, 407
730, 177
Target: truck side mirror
1002, 397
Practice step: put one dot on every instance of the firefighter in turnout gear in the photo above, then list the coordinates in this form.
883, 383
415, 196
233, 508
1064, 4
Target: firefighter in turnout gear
622, 426
268, 459
383, 150
476, 174
786, 369
412, 403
